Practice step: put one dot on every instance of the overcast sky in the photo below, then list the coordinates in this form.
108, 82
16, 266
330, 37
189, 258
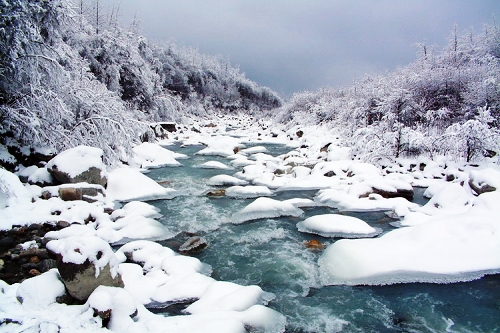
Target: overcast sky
297, 45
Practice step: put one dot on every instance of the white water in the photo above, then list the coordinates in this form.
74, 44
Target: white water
271, 254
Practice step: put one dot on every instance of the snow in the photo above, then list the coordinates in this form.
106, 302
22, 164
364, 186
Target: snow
222, 146
334, 225
77, 160
151, 155
12, 191
446, 248
40, 291
225, 180
78, 249
263, 208
222, 295
127, 184
215, 165
248, 191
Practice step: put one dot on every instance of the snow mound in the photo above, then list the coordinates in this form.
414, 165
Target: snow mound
127, 184
79, 249
75, 161
215, 165
222, 146
263, 208
334, 225
226, 180
12, 191
446, 248
40, 291
451, 198
248, 191
152, 155
222, 295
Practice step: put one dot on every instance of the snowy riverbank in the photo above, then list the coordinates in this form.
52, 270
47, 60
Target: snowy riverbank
455, 237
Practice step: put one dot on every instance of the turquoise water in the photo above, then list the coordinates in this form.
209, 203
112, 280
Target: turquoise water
271, 254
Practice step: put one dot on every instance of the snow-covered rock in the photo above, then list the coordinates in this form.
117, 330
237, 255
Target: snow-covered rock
263, 208
152, 155
79, 164
128, 184
446, 248
12, 190
248, 191
84, 263
226, 180
334, 225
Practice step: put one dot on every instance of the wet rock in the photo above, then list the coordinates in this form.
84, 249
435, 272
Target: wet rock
216, 193
34, 272
314, 244
299, 133
193, 245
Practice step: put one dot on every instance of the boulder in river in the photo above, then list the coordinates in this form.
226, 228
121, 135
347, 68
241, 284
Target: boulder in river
79, 164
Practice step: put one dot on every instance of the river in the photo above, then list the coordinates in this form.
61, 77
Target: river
271, 253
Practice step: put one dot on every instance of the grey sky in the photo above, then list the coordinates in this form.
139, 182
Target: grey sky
297, 45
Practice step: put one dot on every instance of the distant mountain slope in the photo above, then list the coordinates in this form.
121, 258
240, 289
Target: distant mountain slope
66, 82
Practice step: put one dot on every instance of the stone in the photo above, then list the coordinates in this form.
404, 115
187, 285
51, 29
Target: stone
80, 279
70, 193
193, 245
324, 149
403, 193
216, 193
314, 244
34, 272
300, 133
77, 165
329, 174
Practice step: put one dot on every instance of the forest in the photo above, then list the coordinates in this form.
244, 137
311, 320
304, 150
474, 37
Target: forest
71, 76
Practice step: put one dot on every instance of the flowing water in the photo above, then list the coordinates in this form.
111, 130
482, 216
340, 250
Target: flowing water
271, 253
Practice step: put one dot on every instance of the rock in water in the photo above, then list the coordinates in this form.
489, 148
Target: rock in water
79, 164
193, 245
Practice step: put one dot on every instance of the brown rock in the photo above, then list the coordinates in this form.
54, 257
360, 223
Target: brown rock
70, 193
314, 244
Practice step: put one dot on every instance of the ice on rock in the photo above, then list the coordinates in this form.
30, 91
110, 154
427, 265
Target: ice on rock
446, 248
127, 184
263, 208
152, 155
226, 180
248, 191
334, 225
215, 165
